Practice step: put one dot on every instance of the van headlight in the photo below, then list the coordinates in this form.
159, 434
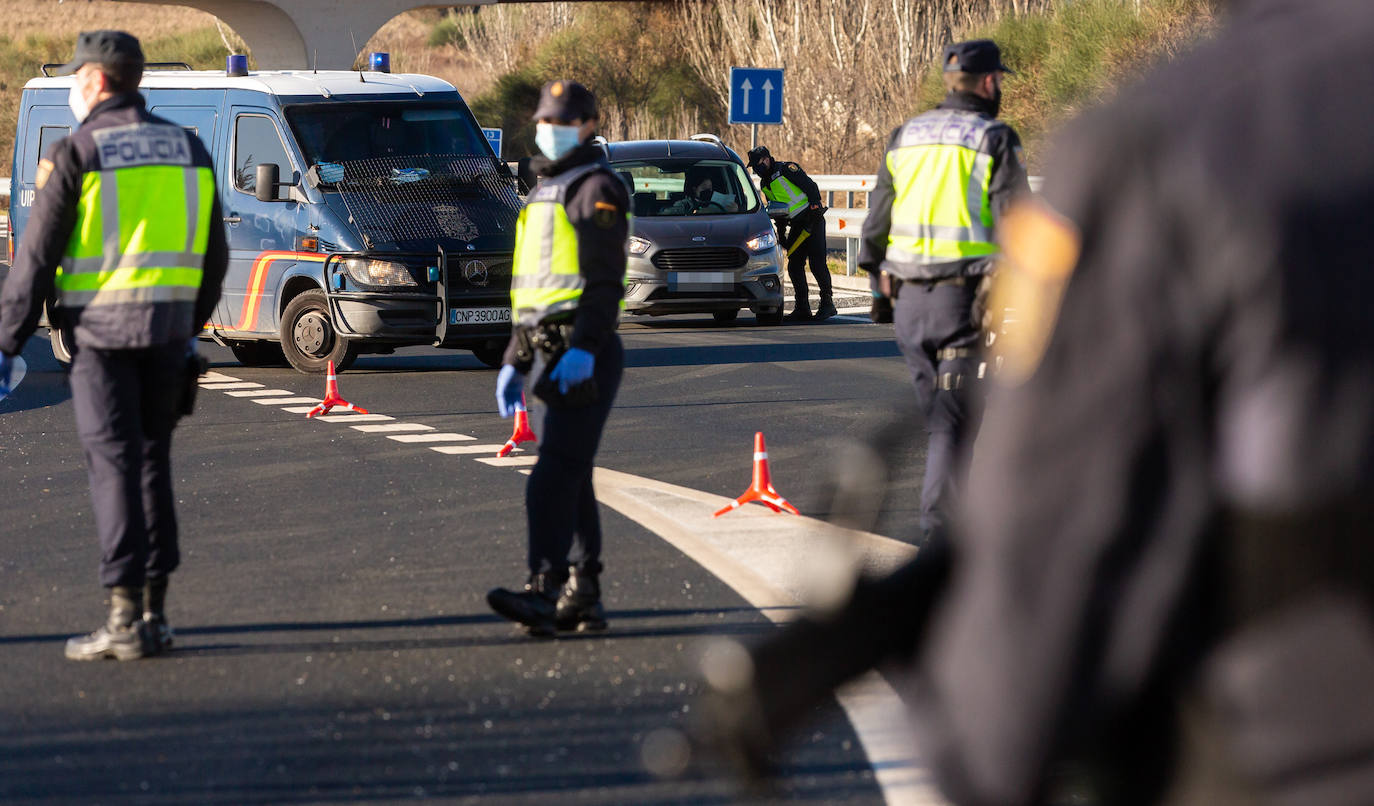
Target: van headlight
638, 246
378, 272
762, 241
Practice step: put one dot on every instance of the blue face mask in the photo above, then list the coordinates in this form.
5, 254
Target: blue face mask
555, 140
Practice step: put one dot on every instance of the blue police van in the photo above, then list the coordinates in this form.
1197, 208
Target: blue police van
364, 211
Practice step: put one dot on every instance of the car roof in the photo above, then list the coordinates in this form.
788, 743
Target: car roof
326, 83
662, 149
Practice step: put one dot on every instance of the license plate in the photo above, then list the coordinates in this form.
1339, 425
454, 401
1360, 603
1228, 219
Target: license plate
701, 281
478, 316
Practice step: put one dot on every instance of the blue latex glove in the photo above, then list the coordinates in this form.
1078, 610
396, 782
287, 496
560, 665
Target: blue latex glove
509, 386
6, 367
573, 368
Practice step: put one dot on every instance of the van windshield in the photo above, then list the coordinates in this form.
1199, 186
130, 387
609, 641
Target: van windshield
341, 133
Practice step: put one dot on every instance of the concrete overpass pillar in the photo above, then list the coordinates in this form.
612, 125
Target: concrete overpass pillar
300, 34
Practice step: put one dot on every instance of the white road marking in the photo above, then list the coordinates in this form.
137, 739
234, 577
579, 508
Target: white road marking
220, 387
765, 557
458, 450
215, 377
281, 401
378, 429
351, 418
294, 409
436, 437
259, 393
508, 461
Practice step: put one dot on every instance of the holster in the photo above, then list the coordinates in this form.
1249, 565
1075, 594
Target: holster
553, 340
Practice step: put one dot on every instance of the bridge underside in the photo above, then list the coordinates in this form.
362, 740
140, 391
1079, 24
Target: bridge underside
301, 34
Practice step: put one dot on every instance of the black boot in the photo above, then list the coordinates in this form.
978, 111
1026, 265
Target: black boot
826, 310
533, 607
579, 605
155, 616
801, 313
881, 312
122, 636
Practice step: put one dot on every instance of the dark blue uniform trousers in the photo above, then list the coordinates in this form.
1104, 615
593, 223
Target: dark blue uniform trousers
565, 527
126, 407
927, 320
811, 250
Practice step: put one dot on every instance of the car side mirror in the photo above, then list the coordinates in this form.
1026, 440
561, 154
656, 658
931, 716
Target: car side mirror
268, 177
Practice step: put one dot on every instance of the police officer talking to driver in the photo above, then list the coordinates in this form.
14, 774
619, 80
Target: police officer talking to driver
125, 240
928, 242
566, 292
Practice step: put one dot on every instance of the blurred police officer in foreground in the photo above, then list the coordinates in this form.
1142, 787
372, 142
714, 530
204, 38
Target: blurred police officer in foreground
566, 293
929, 240
804, 231
125, 239
1164, 570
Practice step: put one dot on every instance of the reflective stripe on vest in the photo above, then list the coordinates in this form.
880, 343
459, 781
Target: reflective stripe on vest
546, 278
941, 172
781, 189
142, 221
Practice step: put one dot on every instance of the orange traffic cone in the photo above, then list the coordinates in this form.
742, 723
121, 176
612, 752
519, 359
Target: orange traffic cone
761, 489
331, 397
522, 429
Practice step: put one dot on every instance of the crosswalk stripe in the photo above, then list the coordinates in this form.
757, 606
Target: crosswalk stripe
355, 418
384, 427
259, 393
281, 401
438, 437
508, 461
220, 387
462, 449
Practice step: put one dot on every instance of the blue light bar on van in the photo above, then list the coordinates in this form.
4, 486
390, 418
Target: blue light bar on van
236, 65
381, 62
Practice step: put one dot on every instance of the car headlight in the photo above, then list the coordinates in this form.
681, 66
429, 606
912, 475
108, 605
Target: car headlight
378, 272
762, 241
638, 246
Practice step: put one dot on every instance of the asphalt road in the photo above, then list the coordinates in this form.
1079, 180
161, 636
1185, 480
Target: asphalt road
333, 643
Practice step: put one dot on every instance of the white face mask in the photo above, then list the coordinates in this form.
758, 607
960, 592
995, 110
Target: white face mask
78, 104
555, 140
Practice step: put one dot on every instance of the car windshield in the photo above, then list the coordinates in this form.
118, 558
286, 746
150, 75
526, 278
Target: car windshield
341, 133
678, 187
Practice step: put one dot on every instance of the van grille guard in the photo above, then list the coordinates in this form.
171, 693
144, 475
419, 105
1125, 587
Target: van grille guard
427, 197
334, 291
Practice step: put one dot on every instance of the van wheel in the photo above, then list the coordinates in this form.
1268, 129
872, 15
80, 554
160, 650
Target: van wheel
769, 319
491, 356
60, 349
257, 353
725, 317
308, 338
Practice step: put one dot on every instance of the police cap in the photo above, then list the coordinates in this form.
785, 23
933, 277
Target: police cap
758, 154
110, 48
565, 100
975, 56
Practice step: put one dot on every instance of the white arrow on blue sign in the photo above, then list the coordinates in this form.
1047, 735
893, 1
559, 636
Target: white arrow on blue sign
755, 95
494, 137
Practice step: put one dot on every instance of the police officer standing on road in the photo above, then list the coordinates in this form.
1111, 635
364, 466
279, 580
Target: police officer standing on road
804, 235
928, 242
125, 239
566, 293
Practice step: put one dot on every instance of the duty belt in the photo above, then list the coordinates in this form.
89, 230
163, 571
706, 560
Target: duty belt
549, 338
898, 282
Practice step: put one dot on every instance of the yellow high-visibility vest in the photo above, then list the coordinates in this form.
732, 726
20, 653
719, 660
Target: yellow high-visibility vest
782, 189
941, 211
142, 222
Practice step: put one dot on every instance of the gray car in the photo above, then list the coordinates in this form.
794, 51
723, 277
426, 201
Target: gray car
700, 239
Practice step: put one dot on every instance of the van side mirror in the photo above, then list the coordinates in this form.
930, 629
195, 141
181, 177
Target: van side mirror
268, 180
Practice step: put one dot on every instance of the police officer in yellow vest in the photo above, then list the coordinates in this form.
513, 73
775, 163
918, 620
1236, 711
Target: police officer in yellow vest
566, 294
928, 242
803, 231
125, 240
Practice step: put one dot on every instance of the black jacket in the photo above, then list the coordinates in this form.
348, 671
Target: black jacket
1008, 181
1170, 499
596, 205
49, 227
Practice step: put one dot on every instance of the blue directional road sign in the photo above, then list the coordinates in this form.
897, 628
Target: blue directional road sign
755, 95
494, 137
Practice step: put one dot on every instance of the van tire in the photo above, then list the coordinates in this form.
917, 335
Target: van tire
491, 356
257, 353
308, 338
769, 319
60, 349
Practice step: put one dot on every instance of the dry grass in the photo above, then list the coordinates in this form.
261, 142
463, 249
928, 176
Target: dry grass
64, 19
